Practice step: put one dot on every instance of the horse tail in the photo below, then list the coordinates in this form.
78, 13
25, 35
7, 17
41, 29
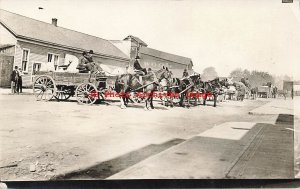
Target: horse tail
117, 85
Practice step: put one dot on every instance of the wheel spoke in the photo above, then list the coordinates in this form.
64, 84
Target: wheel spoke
39, 93
90, 99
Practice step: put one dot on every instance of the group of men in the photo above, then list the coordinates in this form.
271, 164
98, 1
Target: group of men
16, 80
86, 64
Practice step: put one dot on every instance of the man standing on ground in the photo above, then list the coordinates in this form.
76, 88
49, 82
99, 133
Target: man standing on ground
19, 85
14, 79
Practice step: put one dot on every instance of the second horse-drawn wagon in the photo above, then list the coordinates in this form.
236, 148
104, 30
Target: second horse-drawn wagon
86, 87
263, 91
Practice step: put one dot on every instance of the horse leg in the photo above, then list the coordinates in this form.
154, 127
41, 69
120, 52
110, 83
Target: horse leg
188, 99
181, 100
215, 100
151, 102
171, 102
123, 106
146, 104
122, 101
204, 98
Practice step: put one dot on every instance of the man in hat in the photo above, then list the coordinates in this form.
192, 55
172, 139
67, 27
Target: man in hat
185, 76
138, 67
87, 64
185, 73
14, 77
83, 60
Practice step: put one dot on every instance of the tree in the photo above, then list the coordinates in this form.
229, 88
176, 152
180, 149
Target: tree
209, 73
255, 78
237, 73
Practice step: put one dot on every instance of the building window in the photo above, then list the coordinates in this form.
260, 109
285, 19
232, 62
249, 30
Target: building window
25, 60
53, 59
36, 68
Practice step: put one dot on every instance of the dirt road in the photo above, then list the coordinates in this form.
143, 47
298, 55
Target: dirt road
44, 140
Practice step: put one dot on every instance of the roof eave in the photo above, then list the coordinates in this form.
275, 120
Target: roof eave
8, 29
167, 59
20, 37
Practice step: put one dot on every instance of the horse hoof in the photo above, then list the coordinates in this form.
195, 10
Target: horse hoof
123, 107
146, 109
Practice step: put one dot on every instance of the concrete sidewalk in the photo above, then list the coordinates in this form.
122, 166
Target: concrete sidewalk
275, 107
260, 151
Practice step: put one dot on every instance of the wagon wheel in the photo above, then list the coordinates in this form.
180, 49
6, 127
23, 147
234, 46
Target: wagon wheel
86, 93
63, 94
44, 88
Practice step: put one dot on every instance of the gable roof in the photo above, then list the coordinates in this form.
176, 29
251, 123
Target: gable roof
166, 56
5, 46
35, 30
136, 39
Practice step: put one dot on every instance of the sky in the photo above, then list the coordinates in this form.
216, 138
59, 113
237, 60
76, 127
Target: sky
226, 34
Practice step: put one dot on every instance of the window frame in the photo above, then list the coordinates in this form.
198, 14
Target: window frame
36, 63
27, 64
52, 59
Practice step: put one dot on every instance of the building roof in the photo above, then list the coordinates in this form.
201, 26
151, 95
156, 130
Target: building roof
166, 56
4, 46
35, 30
136, 39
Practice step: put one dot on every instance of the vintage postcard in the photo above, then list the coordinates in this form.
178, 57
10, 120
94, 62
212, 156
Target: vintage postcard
175, 89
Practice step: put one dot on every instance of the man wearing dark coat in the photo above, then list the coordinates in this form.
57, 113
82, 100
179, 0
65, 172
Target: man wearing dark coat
185, 73
86, 63
14, 79
137, 66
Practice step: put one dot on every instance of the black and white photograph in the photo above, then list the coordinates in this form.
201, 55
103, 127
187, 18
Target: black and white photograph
128, 90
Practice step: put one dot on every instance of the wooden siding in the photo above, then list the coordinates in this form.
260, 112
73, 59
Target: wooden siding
38, 54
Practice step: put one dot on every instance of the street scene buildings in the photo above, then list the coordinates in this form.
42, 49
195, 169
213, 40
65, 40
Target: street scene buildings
136, 112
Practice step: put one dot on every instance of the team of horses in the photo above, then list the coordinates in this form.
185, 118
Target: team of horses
175, 90
178, 90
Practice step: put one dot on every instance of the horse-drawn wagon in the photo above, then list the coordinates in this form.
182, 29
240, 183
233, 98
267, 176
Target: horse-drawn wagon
263, 91
86, 87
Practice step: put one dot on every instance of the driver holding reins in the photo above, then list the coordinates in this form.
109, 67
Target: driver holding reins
87, 64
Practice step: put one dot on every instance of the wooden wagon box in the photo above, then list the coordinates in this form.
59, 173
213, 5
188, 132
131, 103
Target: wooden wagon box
63, 85
263, 91
65, 78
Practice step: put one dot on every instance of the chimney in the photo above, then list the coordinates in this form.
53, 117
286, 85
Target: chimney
54, 21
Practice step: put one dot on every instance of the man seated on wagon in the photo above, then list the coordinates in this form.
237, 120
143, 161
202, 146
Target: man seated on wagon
185, 76
86, 63
138, 68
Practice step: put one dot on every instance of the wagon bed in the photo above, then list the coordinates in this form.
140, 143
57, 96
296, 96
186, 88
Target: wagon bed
87, 88
263, 91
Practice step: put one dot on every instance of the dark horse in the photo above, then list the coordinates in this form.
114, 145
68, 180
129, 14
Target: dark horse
181, 88
189, 90
130, 83
211, 88
254, 92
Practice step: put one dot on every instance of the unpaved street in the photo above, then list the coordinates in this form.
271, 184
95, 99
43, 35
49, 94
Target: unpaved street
64, 140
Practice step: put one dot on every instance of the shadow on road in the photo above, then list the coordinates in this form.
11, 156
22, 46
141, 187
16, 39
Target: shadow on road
113, 166
285, 119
